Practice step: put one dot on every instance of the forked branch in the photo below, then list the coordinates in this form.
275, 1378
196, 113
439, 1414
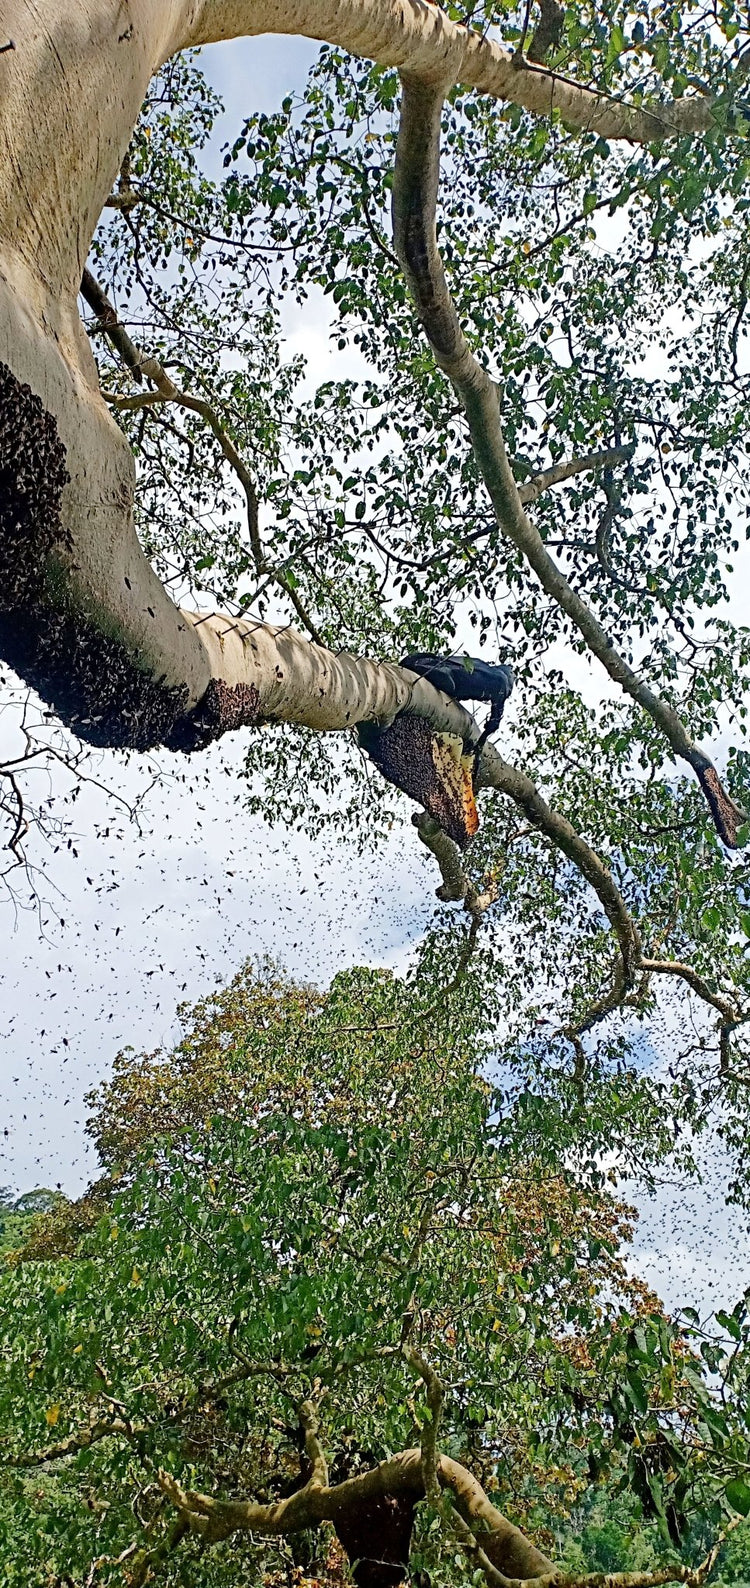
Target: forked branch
506, 1558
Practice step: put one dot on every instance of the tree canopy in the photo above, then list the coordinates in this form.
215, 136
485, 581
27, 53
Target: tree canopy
594, 255
313, 1203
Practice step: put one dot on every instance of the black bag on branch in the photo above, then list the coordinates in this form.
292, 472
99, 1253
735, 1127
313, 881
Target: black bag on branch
436, 768
467, 678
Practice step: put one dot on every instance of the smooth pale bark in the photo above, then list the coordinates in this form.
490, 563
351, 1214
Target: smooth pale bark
419, 38
70, 93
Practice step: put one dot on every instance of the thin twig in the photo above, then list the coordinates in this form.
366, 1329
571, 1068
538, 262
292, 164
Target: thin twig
141, 364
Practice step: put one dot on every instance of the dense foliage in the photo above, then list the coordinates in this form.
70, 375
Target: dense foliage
303, 1186
604, 287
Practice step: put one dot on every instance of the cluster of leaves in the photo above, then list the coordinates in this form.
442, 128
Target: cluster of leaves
568, 326
604, 287
304, 1184
608, 1532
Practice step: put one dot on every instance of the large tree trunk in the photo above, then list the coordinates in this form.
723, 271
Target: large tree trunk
82, 614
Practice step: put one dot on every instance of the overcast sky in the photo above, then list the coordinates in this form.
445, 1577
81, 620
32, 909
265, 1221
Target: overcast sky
145, 919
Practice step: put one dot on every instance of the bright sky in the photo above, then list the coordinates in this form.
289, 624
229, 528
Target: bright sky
151, 918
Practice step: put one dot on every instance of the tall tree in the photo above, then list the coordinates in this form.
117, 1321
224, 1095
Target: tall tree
333, 1281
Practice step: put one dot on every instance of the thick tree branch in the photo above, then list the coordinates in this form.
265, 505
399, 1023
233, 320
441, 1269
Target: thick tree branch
85, 618
420, 39
89, 623
506, 1557
532, 489
415, 191
400, 1475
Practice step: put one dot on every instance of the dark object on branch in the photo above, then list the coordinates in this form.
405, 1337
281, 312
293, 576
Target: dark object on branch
464, 677
467, 678
547, 32
432, 768
97, 299
378, 1539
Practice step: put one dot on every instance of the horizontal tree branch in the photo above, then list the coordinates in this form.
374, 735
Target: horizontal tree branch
83, 1439
507, 1558
607, 458
420, 39
215, 1519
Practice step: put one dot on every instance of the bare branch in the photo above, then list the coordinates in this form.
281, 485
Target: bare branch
496, 773
429, 1450
456, 887
532, 489
671, 967
309, 1420
141, 364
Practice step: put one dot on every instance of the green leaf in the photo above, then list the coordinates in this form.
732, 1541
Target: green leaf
737, 1492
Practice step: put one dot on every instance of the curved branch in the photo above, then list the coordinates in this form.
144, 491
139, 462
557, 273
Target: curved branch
672, 967
506, 1557
496, 773
456, 887
505, 1545
420, 39
415, 190
606, 458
